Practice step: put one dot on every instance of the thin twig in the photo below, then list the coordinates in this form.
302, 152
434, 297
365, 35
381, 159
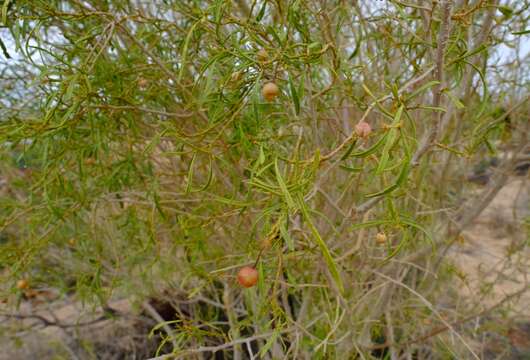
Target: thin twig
429, 137
214, 349
47, 322
156, 316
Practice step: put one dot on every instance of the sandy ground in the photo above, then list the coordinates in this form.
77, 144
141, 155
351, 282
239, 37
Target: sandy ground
63, 342
496, 249
493, 260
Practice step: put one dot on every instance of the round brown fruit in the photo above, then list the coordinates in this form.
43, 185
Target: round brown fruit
380, 238
247, 276
363, 129
143, 83
270, 91
22, 284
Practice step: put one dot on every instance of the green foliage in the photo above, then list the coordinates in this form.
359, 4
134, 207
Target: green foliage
140, 155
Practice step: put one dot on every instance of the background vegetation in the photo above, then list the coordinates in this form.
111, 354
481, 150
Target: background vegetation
139, 160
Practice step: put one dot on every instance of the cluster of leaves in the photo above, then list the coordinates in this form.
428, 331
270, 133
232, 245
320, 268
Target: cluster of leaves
139, 154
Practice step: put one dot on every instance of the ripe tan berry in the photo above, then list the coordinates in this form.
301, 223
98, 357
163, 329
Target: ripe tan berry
22, 284
363, 129
143, 83
270, 91
380, 238
247, 276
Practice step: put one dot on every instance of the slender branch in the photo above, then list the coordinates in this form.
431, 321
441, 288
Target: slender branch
232, 320
47, 322
214, 349
156, 316
443, 36
142, 109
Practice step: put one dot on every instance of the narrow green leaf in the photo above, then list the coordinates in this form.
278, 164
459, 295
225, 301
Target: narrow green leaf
401, 178
376, 100
351, 169
421, 89
479, 49
218, 14
433, 108
485, 95
190, 174
261, 156
505, 10
285, 233
71, 86
184, 52
356, 50
287, 196
392, 136
4, 49
371, 149
400, 246
261, 11
210, 176
256, 98
415, 225
154, 142
294, 95
4, 11
269, 343
261, 278
232, 202
321, 244
156, 199
369, 224
266, 187
301, 88
349, 151
455, 101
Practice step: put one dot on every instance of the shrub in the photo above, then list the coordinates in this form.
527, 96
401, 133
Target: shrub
142, 156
